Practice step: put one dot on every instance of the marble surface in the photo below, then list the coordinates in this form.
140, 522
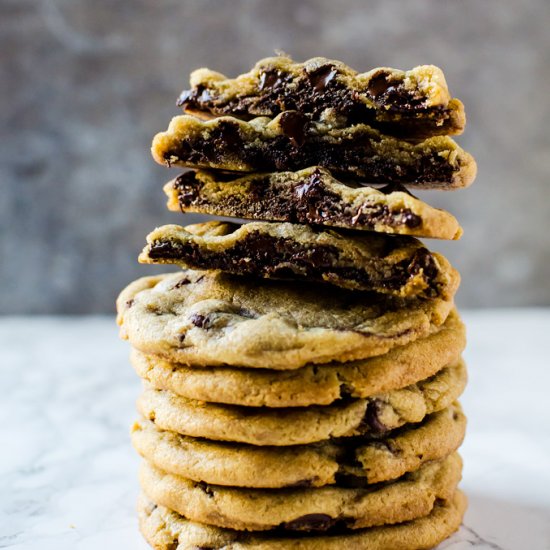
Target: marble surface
68, 473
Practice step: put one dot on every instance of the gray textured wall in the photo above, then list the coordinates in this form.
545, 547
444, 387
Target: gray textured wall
84, 86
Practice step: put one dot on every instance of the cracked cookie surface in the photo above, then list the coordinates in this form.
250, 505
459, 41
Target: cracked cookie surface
261, 426
290, 142
315, 509
413, 103
210, 318
394, 265
309, 196
352, 463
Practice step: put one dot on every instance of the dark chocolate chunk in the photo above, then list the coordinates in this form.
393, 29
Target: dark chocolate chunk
321, 77
270, 79
378, 84
294, 125
311, 522
423, 260
372, 417
200, 321
182, 282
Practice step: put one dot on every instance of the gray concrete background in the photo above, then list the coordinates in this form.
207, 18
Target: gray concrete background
85, 85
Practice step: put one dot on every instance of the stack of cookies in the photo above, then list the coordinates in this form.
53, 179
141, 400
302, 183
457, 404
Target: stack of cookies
302, 370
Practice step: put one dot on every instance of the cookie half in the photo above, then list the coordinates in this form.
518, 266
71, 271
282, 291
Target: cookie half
412, 103
303, 425
355, 463
165, 529
310, 385
308, 510
394, 265
310, 196
290, 142
211, 318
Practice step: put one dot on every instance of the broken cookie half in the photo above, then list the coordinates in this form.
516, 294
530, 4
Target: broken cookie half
398, 266
292, 142
309, 196
414, 103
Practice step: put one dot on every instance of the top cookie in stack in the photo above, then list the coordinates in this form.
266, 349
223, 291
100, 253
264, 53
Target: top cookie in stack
302, 370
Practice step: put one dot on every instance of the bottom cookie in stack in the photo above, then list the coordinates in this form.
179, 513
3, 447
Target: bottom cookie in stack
165, 529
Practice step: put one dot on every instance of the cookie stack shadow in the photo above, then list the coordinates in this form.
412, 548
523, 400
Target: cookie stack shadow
302, 370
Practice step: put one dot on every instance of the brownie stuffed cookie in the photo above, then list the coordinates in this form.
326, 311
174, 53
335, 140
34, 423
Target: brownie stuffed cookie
309, 196
396, 265
291, 142
414, 103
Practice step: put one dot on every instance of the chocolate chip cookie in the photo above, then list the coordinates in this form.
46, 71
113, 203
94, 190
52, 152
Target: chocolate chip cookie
208, 318
310, 385
414, 103
291, 142
352, 463
309, 196
395, 265
304, 425
165, 529
315, 509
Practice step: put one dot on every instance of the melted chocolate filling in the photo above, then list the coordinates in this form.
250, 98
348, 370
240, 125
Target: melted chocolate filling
310, 202
319, 90
263, 255
350, 158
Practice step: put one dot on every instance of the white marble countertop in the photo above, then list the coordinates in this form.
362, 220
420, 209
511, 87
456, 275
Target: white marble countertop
68, 473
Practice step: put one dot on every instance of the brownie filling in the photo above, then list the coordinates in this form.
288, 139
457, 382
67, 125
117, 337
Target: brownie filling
264, 255
347, 158
314, 92
309, 202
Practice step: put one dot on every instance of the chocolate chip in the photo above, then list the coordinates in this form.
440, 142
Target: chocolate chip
320, 77
293, 124
130, 303
228, 133
182, 282
200, 321
311, 522
409, 219
270, 79
372, 417
425, 262
182, 338
378, 84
